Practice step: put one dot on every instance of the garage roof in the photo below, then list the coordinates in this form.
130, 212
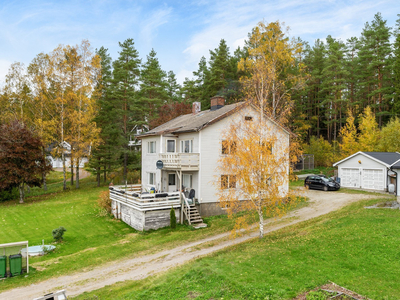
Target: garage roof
389, 159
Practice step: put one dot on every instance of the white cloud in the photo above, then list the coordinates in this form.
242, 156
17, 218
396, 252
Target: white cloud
150, 24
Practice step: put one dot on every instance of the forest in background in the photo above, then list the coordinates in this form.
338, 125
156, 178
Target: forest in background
97, 104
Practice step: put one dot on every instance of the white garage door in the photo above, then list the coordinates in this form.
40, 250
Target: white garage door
350, 177
373, 179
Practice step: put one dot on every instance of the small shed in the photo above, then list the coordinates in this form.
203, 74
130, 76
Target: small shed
368, 170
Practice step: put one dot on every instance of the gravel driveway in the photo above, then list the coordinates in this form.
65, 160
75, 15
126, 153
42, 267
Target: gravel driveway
141, 267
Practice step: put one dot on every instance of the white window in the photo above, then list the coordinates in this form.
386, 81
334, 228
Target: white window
152, 178
228, 147
187, 146
228, 181
151, 147
187, 181
171, 146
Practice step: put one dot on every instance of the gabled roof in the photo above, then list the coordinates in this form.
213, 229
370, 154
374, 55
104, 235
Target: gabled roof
385, 158
192, 123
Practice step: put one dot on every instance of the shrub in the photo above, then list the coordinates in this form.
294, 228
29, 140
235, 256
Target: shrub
9, 194
58, 233
172, 218
104, 201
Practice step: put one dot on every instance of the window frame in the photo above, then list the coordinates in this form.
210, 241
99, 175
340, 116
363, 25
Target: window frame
152, 176
229, 183
166, 145
191, 180
190, 145
228, 147
152, 150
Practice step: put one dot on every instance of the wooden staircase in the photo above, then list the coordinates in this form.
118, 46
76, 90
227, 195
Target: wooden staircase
194, 217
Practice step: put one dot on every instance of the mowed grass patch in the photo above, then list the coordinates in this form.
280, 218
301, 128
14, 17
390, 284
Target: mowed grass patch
91, 239
354, 247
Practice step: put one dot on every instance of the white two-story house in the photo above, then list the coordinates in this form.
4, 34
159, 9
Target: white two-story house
183, 153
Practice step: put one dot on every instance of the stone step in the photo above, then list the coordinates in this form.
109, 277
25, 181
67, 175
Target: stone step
200, 225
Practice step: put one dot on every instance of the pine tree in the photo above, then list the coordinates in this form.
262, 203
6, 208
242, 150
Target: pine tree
173, 88
396, 68
375, 54
201, 92
221, 72
153, 86
105, 156
129, 110
351, 63
334, 75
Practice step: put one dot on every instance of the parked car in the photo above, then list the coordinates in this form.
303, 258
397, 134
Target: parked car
321, 182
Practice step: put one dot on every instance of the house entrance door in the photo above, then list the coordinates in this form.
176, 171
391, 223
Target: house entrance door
171, 182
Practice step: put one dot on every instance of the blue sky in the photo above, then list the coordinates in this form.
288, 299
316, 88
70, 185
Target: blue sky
179, 31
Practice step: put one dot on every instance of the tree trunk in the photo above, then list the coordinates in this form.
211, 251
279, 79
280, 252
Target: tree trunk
260, 214
21, 192
44, 173
44, 181
98, 176
77, 174
105, 173
64, 171
72, 172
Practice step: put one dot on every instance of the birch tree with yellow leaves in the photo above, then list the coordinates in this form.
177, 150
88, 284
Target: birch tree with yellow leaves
73, 72
273, 70
255, 172
349, 137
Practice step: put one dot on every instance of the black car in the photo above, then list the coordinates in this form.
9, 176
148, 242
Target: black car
321, 182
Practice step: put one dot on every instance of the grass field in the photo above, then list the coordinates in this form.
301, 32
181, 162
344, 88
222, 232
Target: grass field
91, 238
355, 247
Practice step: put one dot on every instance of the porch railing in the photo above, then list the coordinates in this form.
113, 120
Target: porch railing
132, 196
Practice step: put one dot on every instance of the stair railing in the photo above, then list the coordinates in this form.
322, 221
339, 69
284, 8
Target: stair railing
186, 208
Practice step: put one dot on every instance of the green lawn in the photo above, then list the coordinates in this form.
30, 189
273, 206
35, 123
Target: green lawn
354, 247
91, 239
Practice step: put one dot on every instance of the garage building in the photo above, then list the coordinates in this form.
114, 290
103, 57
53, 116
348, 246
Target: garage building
369, 170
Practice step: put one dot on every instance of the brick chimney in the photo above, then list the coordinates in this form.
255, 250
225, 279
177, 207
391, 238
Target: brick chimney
217, 102
196, 108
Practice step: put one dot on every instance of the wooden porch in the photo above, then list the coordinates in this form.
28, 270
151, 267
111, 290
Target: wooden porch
136, 201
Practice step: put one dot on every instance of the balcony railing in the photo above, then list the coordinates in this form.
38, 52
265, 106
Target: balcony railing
180, 161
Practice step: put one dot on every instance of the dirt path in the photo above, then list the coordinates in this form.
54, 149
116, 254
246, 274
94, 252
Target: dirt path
141, 267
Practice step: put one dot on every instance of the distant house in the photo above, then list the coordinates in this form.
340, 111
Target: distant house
186, 151
134, 142
369, 170
55, 152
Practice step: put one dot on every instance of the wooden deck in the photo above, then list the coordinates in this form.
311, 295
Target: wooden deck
132, 196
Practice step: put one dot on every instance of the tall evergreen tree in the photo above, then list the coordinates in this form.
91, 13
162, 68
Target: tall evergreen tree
221, 72
334, 75
173, 88
375, 54
396, 68
124, 88
105, 156
153, 86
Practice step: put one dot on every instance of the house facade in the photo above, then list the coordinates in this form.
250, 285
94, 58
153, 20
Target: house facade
183, 153
369, 170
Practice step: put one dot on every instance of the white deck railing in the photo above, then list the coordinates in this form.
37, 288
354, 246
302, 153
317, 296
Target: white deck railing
180, 160
132, 196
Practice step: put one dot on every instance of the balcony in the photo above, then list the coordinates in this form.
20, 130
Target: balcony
180, 161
